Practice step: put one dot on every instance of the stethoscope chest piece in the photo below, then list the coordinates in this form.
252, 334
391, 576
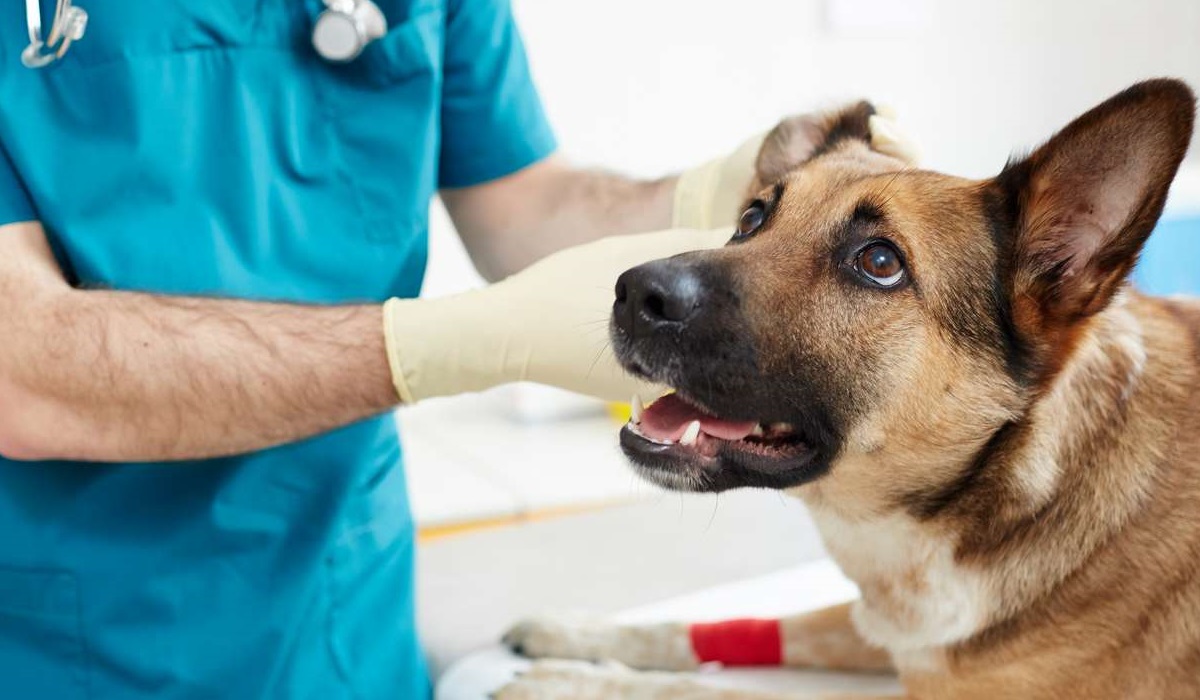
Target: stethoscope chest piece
345, 28
70, 22
340, 34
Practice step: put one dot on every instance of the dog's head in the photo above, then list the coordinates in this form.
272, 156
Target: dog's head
875, 325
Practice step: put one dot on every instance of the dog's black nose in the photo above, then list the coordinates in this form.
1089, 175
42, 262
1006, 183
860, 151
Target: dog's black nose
658, 295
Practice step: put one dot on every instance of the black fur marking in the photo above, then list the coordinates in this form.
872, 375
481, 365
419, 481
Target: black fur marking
849, 124
867, 212
928, 505
857, 229
1002, 214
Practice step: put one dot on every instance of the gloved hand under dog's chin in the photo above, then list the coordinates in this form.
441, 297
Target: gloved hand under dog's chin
547, 324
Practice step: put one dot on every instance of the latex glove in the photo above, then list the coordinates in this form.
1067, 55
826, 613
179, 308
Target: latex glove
710, 195
888, 138
546, 324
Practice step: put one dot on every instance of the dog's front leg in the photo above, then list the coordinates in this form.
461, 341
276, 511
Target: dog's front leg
827, 639
822, 639
574, 680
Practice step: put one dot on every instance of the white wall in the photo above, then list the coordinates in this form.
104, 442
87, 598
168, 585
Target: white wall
650, 86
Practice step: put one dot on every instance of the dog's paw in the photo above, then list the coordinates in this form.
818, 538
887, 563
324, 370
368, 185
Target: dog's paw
556, 679
664, 646
540, 638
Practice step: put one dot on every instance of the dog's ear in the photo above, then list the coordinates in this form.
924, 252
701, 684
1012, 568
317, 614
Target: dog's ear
1084, 203
797, 140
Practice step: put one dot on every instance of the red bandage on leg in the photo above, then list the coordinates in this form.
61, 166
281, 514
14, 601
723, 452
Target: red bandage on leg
738, 642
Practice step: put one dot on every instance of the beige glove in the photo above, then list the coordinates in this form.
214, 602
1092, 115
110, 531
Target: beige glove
888, 138
709, 196
547, 324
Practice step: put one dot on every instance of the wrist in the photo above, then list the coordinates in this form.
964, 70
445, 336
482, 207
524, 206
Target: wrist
392, 348
442, 347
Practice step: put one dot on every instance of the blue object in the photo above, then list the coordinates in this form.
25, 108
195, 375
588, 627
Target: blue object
1170, 260
203, 148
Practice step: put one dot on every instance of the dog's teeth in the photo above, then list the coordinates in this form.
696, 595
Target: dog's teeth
782, 428
758, 431
634, 428
636, 409
691, 435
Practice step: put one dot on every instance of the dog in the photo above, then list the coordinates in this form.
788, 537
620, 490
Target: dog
998, 439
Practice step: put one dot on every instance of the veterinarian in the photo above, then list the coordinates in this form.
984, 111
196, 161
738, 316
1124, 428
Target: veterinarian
205, 207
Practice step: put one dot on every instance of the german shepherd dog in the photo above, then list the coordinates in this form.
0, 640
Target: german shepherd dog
998, 439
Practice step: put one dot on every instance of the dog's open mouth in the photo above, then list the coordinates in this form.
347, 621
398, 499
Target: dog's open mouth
675, 424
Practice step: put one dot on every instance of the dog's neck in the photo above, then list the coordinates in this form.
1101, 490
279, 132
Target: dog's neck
1082, 470
1066, 487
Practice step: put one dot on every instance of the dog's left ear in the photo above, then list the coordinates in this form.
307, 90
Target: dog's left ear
1085, 202
797, 140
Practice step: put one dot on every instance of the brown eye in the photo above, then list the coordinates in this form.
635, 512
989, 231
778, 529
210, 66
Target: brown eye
751, 219
880, 263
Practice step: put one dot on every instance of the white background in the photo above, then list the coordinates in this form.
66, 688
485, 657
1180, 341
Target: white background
651, 86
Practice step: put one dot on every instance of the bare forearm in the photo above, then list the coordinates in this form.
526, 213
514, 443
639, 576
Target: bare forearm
584, 205
513, 222
111, 376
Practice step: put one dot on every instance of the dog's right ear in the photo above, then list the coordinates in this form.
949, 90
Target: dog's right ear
797, 140
1084, 203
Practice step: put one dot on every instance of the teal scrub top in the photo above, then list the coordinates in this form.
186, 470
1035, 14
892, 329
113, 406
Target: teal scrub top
203, 148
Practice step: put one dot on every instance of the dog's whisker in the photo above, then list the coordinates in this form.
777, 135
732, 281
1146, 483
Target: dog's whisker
713, 516
596, 360
889, 184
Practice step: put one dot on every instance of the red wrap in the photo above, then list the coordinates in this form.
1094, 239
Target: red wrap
738, 642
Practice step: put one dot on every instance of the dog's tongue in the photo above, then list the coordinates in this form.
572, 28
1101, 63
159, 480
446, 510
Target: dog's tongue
668, 418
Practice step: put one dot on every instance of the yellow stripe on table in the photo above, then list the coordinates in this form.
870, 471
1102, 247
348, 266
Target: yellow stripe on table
437, 532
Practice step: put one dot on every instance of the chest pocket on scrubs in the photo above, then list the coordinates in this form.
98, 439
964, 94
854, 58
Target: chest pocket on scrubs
409, 47
384, 111
41, 606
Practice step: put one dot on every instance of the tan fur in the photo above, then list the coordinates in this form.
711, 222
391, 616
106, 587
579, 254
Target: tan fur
827, 639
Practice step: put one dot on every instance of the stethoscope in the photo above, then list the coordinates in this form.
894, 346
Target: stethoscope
340, 33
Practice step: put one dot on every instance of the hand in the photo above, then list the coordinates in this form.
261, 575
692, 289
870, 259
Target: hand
710, 195
547, 324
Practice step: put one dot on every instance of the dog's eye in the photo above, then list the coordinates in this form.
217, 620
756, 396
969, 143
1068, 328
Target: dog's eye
880, 263
751, 219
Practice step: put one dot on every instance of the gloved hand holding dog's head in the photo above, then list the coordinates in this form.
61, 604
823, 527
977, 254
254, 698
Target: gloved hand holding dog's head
710, 195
